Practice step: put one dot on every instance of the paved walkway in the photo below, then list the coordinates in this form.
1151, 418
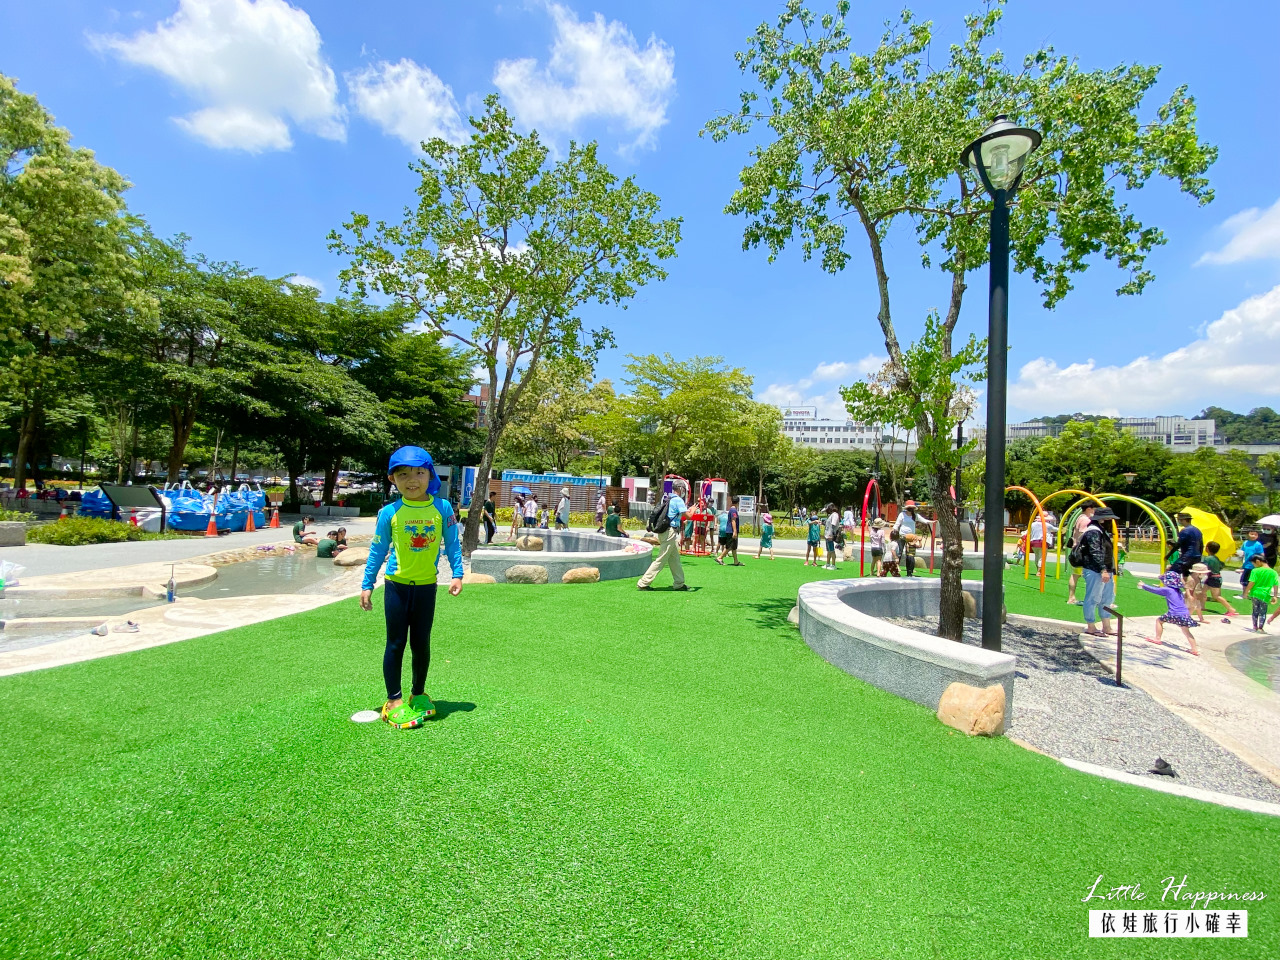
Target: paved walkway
42, 559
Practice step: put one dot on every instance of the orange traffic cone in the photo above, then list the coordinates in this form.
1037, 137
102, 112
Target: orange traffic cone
275, 518
66, 511
133, 516
249, 525
212, 529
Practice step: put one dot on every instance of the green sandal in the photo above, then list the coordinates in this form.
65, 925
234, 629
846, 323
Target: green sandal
403, 717
422, 703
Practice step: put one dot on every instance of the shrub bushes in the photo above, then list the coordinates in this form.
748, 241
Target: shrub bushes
77, 531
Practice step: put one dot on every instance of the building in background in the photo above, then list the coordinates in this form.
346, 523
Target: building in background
1177, 433
803, 425
480, 400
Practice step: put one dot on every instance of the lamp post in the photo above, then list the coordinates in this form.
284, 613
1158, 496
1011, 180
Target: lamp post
997, 157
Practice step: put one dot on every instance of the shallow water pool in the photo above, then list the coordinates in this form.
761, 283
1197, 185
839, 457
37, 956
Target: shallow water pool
1257, 658
283, 573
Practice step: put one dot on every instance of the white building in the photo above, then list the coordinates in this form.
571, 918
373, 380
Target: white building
803, 426
1177, 433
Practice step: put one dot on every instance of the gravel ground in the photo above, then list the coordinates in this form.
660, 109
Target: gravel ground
1067, 704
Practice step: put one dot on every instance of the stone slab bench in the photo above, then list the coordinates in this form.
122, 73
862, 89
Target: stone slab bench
841, 621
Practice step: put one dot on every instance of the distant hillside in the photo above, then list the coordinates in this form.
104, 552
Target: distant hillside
1259, 425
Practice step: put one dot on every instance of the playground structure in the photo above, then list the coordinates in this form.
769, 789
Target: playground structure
1163, 525
704, 498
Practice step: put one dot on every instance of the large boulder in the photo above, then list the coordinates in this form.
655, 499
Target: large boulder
970, 606
13, 533
526, 573
976, 711
352, 557
581, 575
478, 578
530, 543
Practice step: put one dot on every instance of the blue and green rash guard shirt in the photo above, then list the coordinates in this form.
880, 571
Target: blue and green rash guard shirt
412, 531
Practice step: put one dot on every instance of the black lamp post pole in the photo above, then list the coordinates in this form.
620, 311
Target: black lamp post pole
997, 380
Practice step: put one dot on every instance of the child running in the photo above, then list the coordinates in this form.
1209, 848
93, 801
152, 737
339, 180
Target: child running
1263, 584
766, 534
412, 529
1171, 588
815, 538
1213, 582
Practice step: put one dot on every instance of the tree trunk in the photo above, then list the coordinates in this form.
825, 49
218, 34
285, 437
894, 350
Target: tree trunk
471, 528
235, 459
950, 601
330, 479
294, 461
182, 420
26, 444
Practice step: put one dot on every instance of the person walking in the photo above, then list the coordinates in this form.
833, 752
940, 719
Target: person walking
832, 528
813, 544
1250, 550
530, 512
669, 539
1190, 545
490, 517
729, 530
562, 510
1097, 559
1077, 534
766, 533
600, 512
517, 514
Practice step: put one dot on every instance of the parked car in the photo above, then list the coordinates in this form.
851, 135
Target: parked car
259, 479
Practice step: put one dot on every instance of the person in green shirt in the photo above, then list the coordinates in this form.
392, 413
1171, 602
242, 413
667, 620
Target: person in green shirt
410, 534
1263, 584
613, 524
1213, 582
325, 548
302, 535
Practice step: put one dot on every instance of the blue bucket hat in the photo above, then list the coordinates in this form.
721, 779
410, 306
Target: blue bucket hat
415, 457
1172, 579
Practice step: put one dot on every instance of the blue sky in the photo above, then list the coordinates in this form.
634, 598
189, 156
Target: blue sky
256, 126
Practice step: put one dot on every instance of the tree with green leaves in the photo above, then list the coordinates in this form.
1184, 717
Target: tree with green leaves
1095, 455
1222, 483
861, 141
64, 260
549, 430
675, 413
504, 248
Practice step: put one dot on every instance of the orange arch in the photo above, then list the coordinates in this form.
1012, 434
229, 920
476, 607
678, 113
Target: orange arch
1044, 537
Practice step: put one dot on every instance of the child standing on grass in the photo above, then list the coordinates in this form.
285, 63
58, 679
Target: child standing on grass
412, 529
877, 546
815, 538
1263, 584
889, 566
1170, 588
766, 534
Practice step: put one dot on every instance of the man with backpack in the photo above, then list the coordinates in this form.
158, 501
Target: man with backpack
665, 521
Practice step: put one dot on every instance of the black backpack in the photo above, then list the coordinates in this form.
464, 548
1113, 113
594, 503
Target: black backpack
660, 517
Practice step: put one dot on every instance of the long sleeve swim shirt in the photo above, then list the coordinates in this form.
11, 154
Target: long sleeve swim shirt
412, 532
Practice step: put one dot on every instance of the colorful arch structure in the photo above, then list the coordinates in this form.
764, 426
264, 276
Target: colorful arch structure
1044, 527
866, 502
1162, 521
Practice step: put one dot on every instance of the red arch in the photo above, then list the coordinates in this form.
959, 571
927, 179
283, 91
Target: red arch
866, 502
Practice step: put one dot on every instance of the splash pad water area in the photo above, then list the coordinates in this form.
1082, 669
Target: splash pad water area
1257, 658
33, 617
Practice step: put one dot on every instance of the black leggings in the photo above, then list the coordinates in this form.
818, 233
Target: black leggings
410, 610
1259, 613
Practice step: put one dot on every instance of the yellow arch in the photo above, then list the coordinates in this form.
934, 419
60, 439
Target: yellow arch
1164, 540
1044, 537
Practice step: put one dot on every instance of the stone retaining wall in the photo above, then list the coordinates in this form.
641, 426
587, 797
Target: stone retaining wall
841, 621
564, 550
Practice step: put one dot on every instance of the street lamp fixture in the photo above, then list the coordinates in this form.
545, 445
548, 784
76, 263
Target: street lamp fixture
1129, 478
998, 158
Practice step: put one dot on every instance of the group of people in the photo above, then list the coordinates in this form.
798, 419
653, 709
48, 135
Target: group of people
328, 546
890, 552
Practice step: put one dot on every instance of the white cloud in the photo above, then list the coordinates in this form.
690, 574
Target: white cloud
255, 64
303, 280
596, 69
407, 101
1255, 235
830, 404
1233, 362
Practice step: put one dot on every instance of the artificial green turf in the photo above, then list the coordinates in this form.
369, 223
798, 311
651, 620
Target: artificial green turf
613, 773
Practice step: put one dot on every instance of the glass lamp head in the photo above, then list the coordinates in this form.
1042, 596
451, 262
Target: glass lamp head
999, 155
